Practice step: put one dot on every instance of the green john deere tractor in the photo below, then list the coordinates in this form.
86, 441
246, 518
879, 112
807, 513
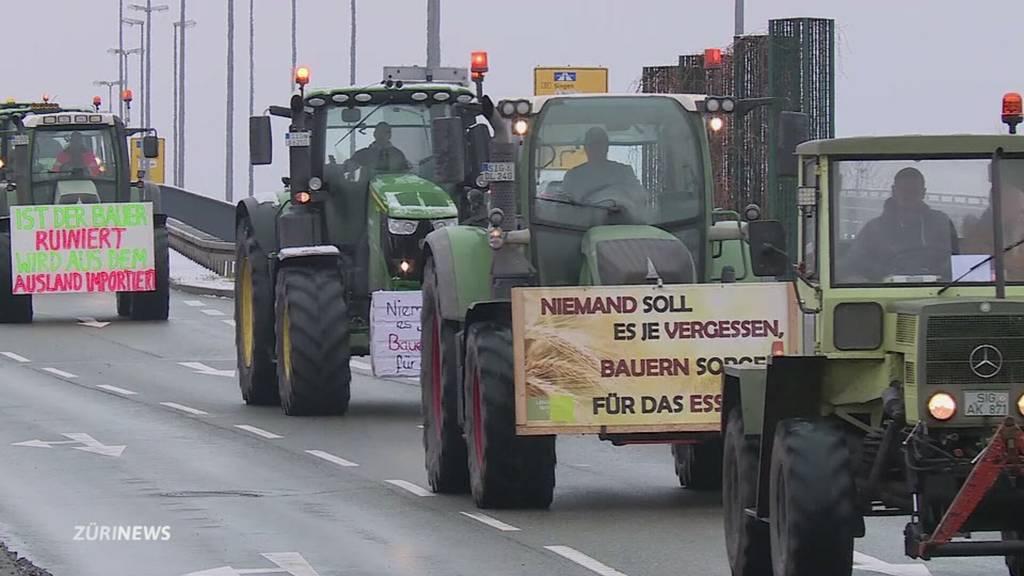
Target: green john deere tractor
32, 139
360, 197
638, 211
908, 398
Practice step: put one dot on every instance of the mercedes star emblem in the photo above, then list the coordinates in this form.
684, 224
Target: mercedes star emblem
986, 361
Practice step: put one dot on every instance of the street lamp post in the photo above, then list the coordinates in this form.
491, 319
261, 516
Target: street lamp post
142, 42
147, 98
179, 145
123, 57
229, 156
110, 90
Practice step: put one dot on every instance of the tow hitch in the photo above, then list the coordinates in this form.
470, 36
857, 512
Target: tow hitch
1003, 454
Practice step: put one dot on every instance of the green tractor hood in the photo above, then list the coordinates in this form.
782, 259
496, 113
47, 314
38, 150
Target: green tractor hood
411, 197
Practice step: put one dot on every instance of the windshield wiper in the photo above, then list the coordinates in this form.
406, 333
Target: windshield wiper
976, 266
361, 124
613, 208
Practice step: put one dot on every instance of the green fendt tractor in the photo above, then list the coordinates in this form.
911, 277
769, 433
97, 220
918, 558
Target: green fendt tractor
584, 191
33, 138
360, 197
908, 398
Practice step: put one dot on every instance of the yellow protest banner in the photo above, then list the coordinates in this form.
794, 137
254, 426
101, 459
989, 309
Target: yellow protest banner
639, 358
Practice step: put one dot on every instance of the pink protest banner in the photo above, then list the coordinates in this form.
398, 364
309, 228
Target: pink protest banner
72, 248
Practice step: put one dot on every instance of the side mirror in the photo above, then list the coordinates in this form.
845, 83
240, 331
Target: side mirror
351, 115
261, 150
793, 130
449, 149
150, 146
767, 248
479, 150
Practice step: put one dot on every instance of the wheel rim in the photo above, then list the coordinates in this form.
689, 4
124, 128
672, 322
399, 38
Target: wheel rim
286, 344
478, 425
246, 320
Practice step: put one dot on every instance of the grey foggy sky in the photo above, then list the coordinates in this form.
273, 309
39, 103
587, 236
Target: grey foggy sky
903, 65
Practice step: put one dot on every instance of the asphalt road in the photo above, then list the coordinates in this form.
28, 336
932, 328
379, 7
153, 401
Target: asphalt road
125, 449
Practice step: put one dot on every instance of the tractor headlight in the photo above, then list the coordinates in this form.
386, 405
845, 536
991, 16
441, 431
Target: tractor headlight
402, 227
1020, 404
941, 406
438, 224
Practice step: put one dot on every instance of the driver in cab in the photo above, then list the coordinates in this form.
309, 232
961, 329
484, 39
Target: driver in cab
77, 157
908, 238
598, 172
381, 155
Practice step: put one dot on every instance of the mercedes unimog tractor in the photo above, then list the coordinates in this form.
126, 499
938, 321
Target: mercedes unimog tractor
908, 395
360, 196
74, 219
561, 312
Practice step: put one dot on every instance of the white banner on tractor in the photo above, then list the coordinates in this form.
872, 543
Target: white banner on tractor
82, 248
395, 333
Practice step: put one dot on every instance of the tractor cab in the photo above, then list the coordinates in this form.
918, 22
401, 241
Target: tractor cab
72, 157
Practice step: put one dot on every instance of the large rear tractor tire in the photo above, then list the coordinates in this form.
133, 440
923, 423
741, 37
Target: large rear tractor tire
812, 500
699, 466
1014, 562
254, 320
155, 305
14, 309
124, 304
443, 443
313, 373
505, 470
746, 538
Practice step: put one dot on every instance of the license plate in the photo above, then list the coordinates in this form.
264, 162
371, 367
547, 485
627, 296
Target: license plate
985, 403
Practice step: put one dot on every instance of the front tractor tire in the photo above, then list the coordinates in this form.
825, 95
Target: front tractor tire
254, 320
746, 538
505, 470
313, 374
155, 305
812, 500
443, 443
14, 308
699, 466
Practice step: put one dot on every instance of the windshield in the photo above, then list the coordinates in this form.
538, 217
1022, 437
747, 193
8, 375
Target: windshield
388, 138
638, 158
922, 221
72, 154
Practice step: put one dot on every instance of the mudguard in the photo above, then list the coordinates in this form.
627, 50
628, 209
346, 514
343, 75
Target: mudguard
262, 217
462, 262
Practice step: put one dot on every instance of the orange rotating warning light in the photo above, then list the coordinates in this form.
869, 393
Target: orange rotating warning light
96, 101
712, 58
478, 62
127, 95
1012, 110
302, 75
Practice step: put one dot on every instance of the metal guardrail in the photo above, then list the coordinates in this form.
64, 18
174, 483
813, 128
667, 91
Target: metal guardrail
200, 228
202, 248
214, 217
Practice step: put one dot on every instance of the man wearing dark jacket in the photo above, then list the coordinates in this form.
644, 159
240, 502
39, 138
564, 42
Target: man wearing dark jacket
908, 238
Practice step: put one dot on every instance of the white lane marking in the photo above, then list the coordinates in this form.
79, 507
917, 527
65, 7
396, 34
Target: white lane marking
60, 373
492, 522
91, 322
116, 390
584, 560
410, 487
194, 303
184, 408
229, 322
866, 563
212, 312
15, 357
201, 368
291, 563
331, 458
258, 431
360, 365
89, 444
